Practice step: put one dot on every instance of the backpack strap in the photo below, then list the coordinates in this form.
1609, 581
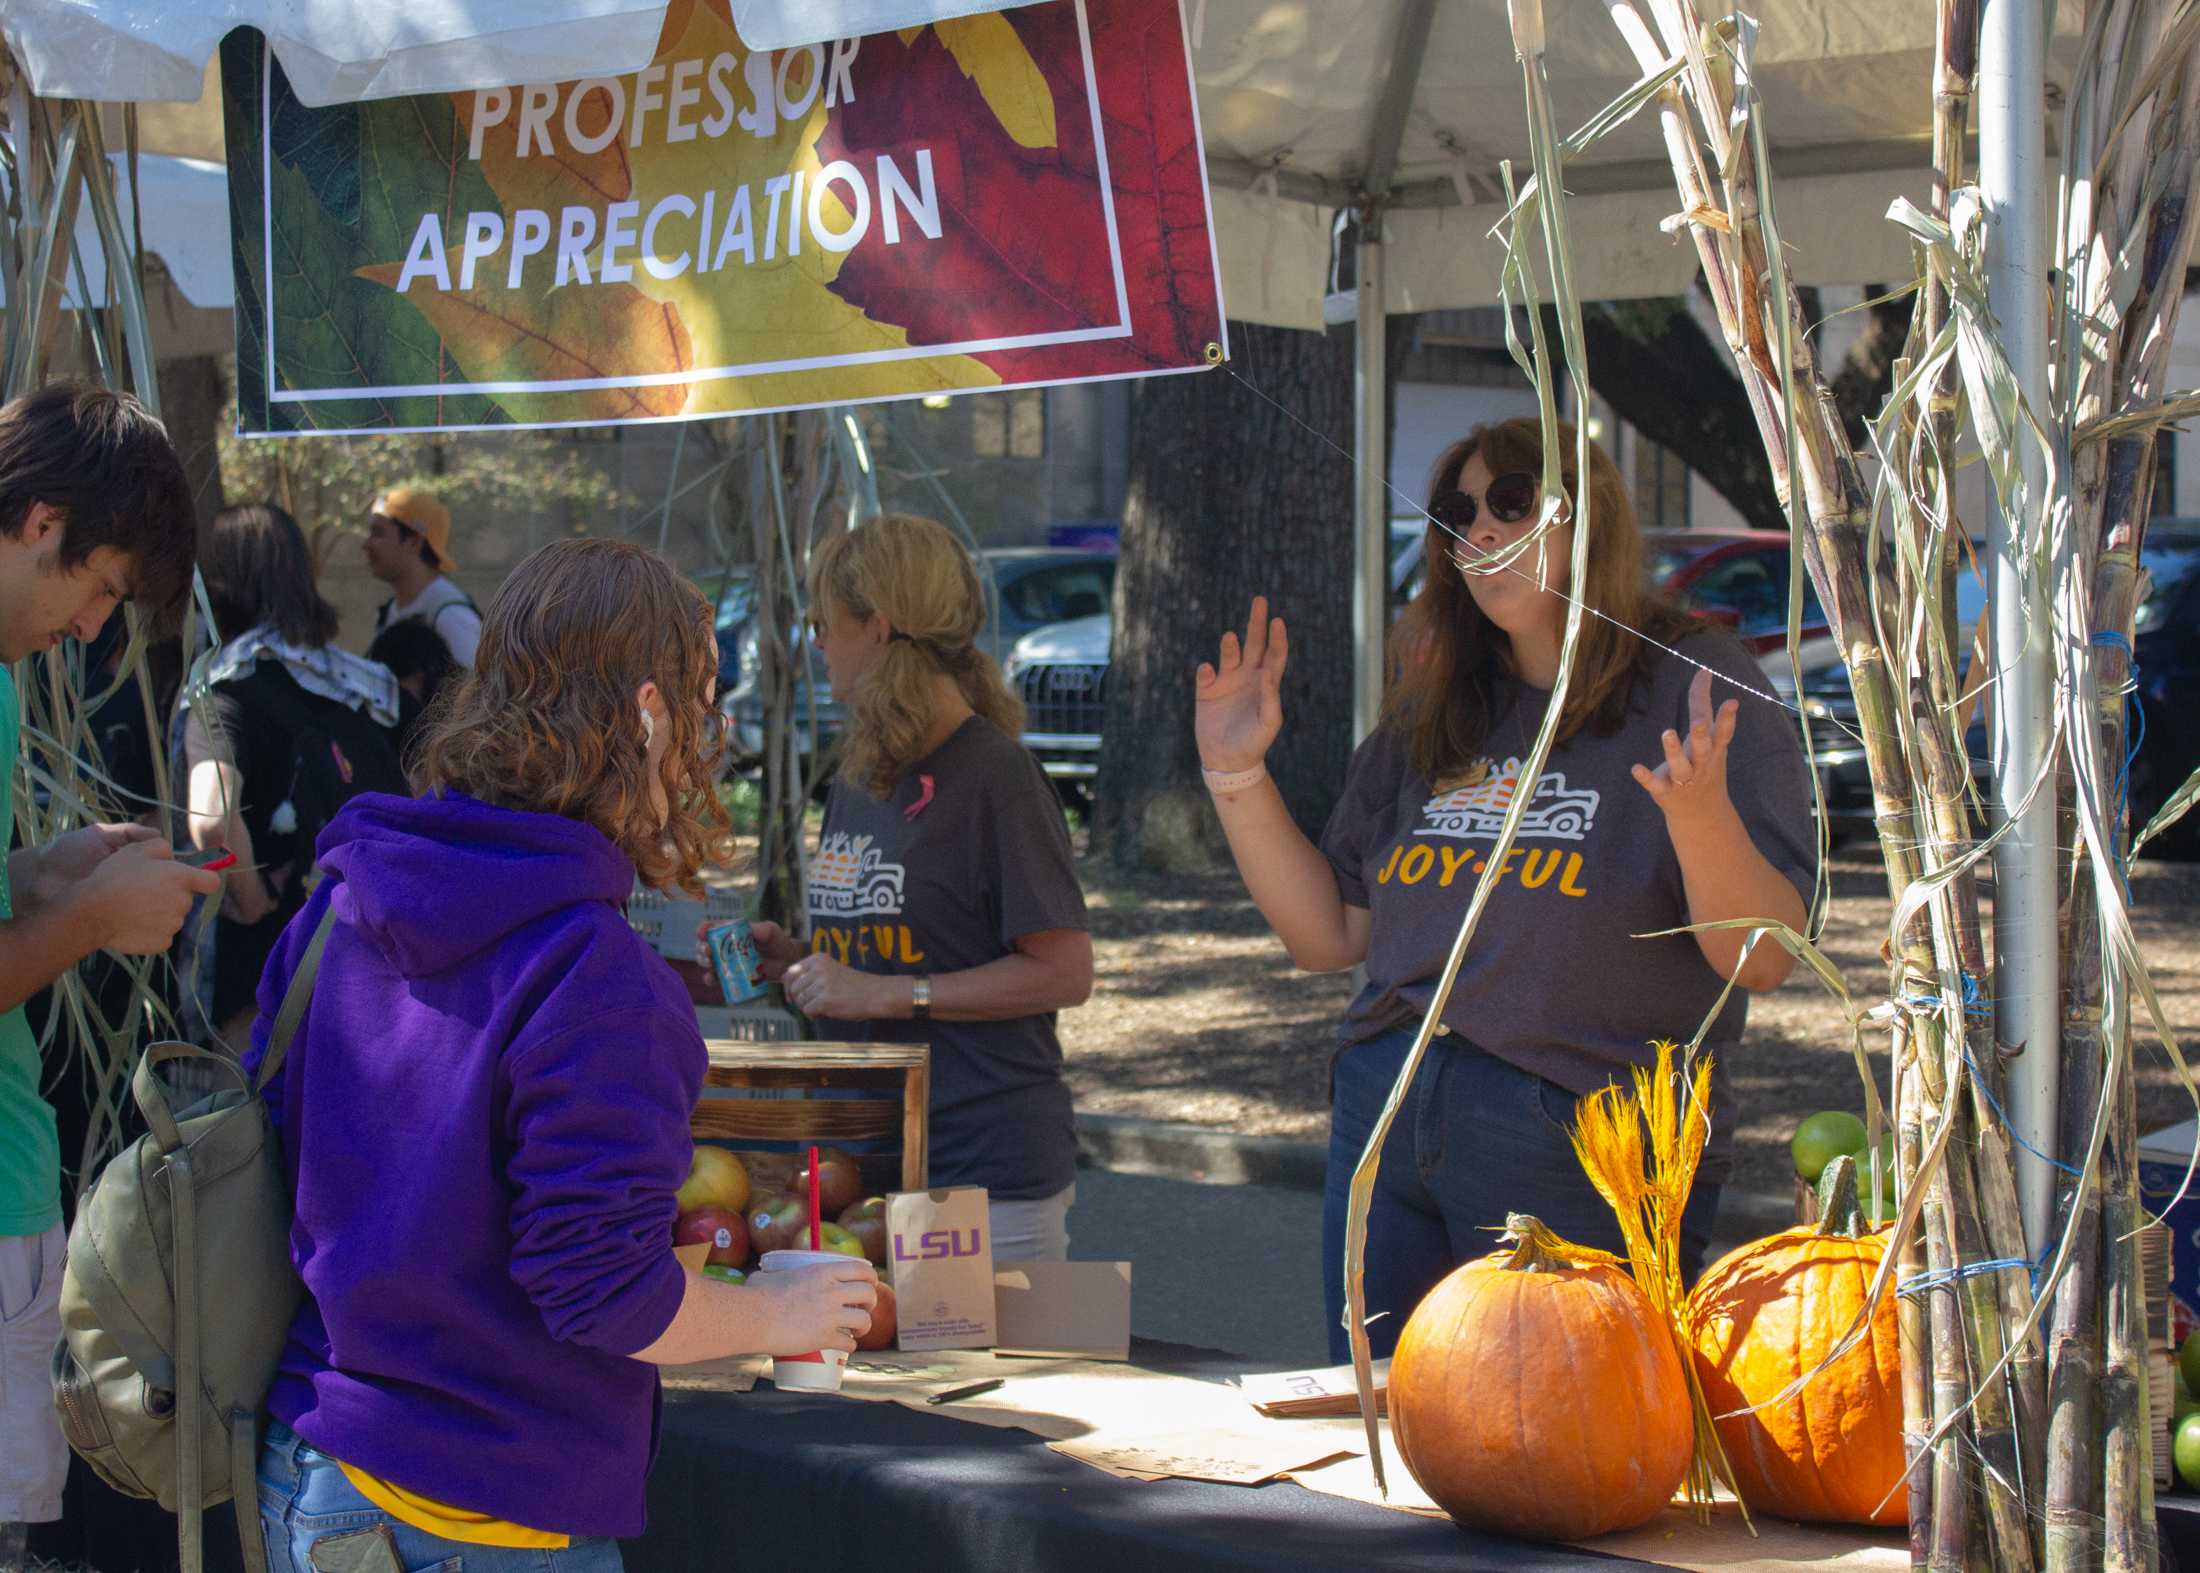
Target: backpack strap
190, 1384
244, 1488
295, 999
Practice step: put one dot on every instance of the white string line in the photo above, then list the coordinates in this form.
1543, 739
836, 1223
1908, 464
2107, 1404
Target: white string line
1487, 562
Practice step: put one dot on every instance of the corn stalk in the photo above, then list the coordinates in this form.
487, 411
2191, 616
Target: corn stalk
2127, 236
2007, 1460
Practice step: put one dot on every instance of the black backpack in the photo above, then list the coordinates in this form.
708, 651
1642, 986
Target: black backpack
336, 753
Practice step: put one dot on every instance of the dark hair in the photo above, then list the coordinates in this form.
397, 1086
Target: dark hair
410, 648
408, 536
258, 569
1446, 656
107, 466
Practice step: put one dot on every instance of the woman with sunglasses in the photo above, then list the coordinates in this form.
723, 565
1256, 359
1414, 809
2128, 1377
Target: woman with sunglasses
1658, 808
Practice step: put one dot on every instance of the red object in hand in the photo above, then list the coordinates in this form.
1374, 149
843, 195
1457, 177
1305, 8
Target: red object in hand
817, 1236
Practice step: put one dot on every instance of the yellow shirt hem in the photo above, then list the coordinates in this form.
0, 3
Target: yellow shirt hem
450, 1523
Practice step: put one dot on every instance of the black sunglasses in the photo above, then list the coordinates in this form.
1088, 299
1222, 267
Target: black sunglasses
1511, 497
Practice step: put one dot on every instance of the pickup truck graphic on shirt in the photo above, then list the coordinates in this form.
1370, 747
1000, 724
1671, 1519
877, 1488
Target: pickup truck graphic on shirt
848, 879
1476, 810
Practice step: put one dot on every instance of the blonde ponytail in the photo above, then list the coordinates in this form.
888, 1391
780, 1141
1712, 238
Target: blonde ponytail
918, 576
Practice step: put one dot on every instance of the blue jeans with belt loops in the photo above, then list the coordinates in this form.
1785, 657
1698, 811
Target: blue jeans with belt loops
1475, 1139
305, 1499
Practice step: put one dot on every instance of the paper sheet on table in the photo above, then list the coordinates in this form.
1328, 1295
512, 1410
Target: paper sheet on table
1675, 1539
1134, 1423
1056, 1399
1672, 1539
1234, 1457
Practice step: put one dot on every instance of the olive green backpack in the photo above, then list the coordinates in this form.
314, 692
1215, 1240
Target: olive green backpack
179, 1291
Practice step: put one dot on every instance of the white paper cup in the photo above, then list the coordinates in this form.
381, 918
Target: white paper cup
821, 1370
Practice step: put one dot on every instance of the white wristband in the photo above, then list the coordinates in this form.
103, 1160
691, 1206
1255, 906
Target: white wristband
1226, 783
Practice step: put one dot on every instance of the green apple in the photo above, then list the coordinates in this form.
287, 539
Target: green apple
832, 1237
2188, 1362
2185, 1449
1821, 1139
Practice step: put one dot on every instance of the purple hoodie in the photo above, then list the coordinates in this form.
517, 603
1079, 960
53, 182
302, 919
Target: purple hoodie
484, 1116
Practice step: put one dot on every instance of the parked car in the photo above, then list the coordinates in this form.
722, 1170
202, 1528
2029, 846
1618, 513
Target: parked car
1034, 586
2166, 737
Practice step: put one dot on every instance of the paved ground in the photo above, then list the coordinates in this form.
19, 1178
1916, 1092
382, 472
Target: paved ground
1232, 1267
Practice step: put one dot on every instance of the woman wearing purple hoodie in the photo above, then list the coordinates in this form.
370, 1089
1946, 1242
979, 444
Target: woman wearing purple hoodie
485, 1111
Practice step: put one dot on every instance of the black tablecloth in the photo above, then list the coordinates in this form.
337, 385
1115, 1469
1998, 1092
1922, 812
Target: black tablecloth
795, 1481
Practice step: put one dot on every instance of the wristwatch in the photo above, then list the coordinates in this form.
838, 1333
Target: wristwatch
920, 999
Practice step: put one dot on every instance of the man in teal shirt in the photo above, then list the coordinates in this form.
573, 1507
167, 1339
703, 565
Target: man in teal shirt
94, 510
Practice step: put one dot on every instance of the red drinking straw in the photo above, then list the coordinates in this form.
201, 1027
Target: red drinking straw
817, 1231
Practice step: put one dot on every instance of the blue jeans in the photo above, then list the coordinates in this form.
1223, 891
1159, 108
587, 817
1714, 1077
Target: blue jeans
1475, 1139
305, 1499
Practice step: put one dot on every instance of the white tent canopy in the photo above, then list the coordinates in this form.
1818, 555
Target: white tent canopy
1307, 106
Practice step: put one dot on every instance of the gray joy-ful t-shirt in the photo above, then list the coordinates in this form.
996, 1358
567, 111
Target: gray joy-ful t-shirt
1557, 980
966, 856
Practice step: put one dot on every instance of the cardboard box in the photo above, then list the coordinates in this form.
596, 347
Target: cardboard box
940, 1244
1074, 1310
2163, 1157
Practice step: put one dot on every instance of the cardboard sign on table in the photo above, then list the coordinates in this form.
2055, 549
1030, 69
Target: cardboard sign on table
1076, 1310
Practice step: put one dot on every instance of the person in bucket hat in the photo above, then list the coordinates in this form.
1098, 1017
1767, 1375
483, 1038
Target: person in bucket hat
409, 549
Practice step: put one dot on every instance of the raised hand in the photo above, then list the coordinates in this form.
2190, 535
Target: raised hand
1239, 707
1692, 780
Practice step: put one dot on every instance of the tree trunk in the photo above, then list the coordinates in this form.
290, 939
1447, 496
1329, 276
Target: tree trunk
1663, 375
192, 395
1230, 497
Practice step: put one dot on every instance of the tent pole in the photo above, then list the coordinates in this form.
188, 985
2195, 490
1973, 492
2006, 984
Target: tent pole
1370, 471
2013, 179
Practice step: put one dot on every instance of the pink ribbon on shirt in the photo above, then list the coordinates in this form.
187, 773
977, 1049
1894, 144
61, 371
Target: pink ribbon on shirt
924, 798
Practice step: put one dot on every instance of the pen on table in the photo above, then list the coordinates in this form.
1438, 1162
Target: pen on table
957, 1394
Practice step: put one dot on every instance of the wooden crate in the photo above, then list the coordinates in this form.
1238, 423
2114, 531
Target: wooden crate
897, 1077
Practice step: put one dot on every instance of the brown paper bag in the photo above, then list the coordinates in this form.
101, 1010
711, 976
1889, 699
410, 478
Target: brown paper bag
942, 1250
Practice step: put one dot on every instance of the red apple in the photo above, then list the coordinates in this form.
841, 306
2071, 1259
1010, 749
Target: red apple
866, 1220
769, 1173
781, 1224
839, 1181
727, 1234
884, 1321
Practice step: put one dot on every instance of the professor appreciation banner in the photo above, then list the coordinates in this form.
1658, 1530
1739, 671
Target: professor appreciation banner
1010, 198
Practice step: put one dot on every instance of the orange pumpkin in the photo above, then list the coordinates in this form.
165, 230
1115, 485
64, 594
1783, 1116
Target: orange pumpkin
1767, 1315
1539, 1398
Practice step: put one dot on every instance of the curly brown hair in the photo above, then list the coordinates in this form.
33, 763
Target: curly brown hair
546, 720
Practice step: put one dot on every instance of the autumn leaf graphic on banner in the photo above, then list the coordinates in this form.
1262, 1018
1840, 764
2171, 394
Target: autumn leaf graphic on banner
728, 231
1051, 273
788, 300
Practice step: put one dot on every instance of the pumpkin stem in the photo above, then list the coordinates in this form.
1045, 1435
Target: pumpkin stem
1531, 1244
1840, 1210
